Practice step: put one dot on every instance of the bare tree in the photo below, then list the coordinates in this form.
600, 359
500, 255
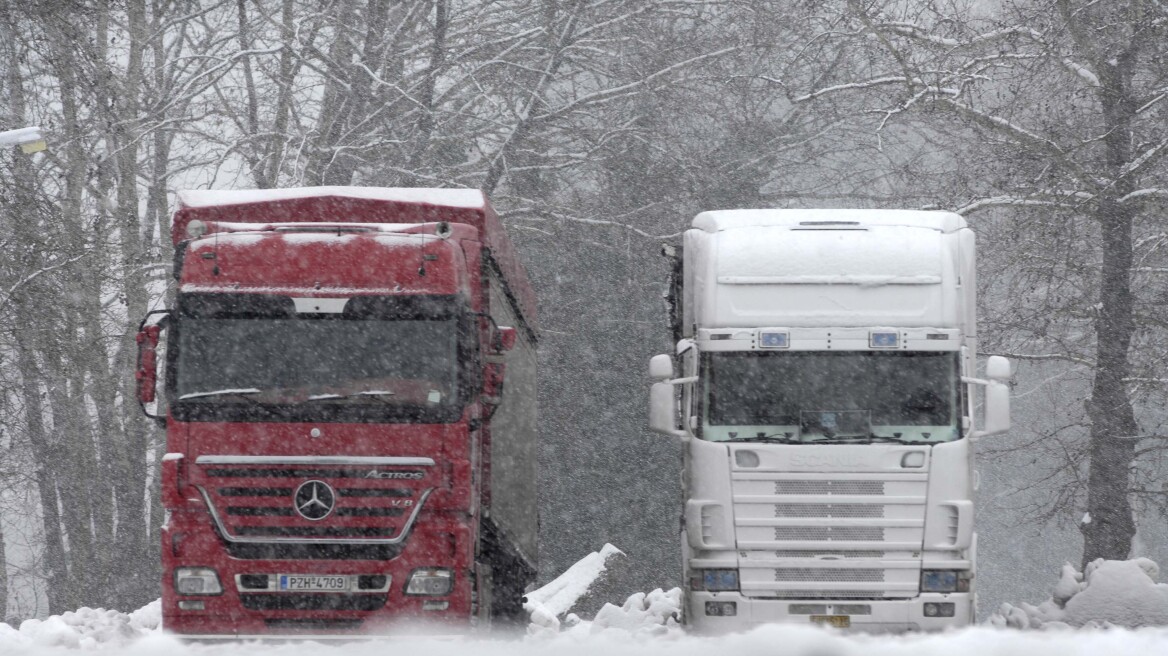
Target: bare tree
1066, 101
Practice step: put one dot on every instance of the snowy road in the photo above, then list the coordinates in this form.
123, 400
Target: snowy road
787, 641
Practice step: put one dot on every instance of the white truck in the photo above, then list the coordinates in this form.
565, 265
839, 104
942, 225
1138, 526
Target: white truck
826, 397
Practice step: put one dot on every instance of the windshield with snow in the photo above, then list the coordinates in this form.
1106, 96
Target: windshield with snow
254, 357
830, 397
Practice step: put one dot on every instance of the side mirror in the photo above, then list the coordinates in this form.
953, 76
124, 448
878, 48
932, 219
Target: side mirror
662, 409
172, 481
997, 396
997, 408
661, 367
503, 339
146, 372
998, 368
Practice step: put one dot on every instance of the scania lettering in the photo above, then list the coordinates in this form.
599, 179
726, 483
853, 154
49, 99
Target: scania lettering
343, 454
826, 398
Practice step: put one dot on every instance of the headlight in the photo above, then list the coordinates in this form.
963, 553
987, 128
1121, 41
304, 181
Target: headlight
432, 582
714, 580
942, 580
197, 581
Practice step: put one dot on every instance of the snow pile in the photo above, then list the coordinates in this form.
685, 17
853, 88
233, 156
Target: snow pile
85, 628
1107, 593
656, 613
548, 603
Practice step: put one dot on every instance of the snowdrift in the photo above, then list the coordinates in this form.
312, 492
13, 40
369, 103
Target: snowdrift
1108, 593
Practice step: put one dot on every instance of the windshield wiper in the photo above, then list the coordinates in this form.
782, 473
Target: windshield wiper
245, 394
242, 393
780, 439
376, 394
862, 439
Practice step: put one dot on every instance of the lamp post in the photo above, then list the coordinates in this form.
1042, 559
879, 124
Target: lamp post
30, 140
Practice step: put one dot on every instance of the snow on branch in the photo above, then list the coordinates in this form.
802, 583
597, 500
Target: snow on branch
1002, 201
1062, 357
1020, 134
1081, 71
865, 84
1149, 157
918, 33
1142, 193
34, 275
613, 92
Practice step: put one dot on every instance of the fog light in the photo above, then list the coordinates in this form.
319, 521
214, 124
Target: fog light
940, 609
188, 604
197, 581
807, 609
435, 605
721, 608
432, 582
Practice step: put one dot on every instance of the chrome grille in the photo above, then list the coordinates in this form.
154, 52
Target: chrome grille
256, 501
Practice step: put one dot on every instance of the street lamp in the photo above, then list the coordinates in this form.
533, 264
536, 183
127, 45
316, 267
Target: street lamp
30, 140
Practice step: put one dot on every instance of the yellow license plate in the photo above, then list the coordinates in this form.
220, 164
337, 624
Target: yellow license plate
834, 621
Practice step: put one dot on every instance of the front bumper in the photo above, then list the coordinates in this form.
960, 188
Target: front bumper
887, 615
239, 613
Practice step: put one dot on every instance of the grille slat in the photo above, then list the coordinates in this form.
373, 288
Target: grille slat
832, 510
319, 601
258, 472
259, 511
857, 488
815, 575
313, 531
806, 553
255, 491
829, 534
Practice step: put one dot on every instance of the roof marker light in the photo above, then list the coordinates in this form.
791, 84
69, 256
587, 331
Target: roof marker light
883, 339
774, 339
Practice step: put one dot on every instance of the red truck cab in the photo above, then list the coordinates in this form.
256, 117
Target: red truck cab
348, 390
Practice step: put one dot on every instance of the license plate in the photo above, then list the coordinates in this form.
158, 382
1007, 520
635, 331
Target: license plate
300, 582
834, 621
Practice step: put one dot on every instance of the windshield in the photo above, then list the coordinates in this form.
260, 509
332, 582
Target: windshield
821, 397
255, 357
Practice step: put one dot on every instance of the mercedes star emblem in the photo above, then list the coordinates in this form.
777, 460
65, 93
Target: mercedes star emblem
314, 500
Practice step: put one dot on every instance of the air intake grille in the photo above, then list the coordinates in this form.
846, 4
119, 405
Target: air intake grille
322, 601
828, 510
301, 626
830, 487
808, 553
825, 594
952, 520
829, 534
810, 574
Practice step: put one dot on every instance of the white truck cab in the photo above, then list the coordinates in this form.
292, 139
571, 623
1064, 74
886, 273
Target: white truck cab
826, 394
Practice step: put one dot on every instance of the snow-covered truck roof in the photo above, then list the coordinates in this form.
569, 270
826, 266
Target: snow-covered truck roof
382, 205
829, 268
716, 221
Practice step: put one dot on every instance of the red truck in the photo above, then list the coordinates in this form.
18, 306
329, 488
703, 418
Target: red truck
343, 454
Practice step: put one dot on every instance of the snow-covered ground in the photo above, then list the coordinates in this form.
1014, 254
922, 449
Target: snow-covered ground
1098, 601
